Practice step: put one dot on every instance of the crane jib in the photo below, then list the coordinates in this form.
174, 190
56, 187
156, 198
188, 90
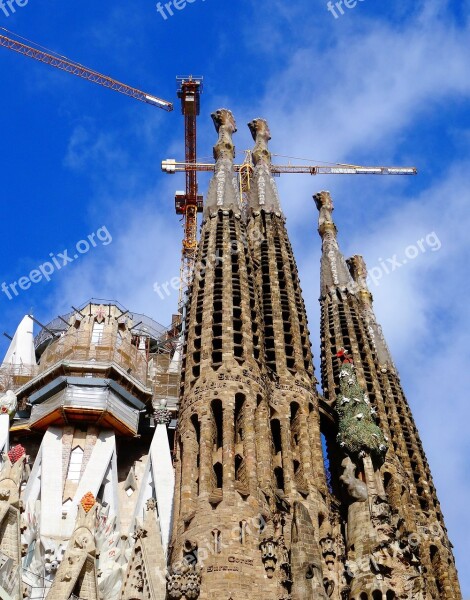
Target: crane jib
84, 73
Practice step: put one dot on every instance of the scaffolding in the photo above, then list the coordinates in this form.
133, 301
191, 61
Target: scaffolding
144, 359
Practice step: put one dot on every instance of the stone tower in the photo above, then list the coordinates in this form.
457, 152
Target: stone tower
222, 435
297, 469
251, 505
395, 537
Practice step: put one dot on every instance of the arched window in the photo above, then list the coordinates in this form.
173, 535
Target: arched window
97, 333
279, 475
75, 464
276, 433
219, 478
217, 541
218, 421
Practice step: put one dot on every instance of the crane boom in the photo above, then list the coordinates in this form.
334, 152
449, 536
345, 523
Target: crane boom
171, 166
83, 72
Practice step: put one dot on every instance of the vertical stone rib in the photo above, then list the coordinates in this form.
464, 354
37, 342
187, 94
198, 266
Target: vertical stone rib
228, 453
207, 444
263, 445
249, 444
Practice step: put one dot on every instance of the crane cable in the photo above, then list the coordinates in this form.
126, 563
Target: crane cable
312, 160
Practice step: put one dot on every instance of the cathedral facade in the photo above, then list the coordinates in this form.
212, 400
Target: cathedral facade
137, 466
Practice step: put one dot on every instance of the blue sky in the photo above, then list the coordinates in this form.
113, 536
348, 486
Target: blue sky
385, 83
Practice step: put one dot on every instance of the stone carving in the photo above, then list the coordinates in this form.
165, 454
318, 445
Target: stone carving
151, 504
328, 548
8, 404
184, 583
260, 132
381, 517
269, 556
284, 561
10, 538
11, 475
79, 563
225, 125
162, 415
357, 489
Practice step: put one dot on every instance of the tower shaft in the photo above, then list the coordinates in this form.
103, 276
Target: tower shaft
404, 479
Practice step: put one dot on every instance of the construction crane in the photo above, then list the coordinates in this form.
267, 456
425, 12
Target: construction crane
61, 62
171, 166
245, 173
189, 203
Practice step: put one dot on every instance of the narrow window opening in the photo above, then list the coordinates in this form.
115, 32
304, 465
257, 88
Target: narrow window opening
276, 434
218, 472
279, 475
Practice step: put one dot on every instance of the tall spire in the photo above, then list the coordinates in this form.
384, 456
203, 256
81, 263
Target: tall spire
292, 401
358, 269
389, 495
263, 193
223, 193
334, 270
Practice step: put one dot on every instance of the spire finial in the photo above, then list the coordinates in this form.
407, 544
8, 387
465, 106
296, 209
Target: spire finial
325, 206
358, 270
261, 134
263, 194
334, 270
225, 126
223, 191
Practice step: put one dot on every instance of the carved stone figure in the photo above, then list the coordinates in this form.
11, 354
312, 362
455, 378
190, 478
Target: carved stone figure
269, 556
357, 489
162, 415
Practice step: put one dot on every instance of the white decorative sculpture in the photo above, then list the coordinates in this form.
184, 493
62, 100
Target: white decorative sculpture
8, 404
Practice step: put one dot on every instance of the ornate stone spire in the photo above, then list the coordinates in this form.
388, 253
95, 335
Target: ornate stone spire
358, 269
263, 193
223, 193
334, 270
